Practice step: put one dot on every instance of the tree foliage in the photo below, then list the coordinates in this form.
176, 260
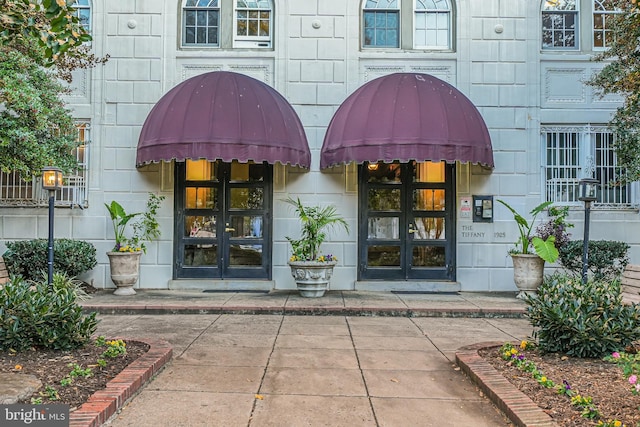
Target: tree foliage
52, 23
36, 129
41, 43
621, 75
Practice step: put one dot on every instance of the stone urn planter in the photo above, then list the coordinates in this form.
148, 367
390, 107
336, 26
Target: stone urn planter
312, 277
311, 270
528, 273
124, 271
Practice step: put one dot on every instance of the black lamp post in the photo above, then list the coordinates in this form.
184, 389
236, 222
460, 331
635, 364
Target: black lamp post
51, 181
588, 189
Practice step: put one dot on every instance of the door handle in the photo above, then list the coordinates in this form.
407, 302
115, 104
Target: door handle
412, 229
229, 229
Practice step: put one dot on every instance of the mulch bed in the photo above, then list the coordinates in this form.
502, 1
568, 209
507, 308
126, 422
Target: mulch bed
51, 366
603, 381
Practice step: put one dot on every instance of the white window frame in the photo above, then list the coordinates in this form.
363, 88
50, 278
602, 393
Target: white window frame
591, 156
17, 192
227, 30
414, 17
252, 41
380, 6
430, 9
81, 6
603, 8
556, 7
197, 6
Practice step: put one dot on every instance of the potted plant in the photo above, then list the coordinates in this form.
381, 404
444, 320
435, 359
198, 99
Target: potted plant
311, 269
124, 258
530, 252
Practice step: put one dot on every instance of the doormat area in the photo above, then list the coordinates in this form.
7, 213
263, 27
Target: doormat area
424, 293
222, 291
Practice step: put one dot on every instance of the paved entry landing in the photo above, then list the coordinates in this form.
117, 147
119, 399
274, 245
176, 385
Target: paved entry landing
313, 370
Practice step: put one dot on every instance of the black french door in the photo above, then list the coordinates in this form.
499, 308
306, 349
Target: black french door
222, 220
406, 225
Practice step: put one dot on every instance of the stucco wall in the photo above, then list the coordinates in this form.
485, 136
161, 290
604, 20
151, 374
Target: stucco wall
316, 63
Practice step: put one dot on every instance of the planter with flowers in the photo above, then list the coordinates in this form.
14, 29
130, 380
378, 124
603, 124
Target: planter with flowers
530, 252
124, 259
311, 270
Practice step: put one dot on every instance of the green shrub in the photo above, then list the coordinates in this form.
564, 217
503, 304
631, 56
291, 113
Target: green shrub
582, 320
29, 258
607, 258
42, 316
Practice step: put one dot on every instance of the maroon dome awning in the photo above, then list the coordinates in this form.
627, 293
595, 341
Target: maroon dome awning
406, 116
223, 116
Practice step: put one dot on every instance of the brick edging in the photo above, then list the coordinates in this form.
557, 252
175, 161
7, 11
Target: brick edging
520, 409
106, 402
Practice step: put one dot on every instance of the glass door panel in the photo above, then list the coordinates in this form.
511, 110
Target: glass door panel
406, 221
223, 218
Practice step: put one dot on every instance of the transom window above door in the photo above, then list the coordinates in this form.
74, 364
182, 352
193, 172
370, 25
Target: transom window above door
407, 24
227, 23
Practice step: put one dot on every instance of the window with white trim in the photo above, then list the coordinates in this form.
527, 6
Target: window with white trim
252, 23
227, 23
562, 21
381, 23
15, 191
604, 12
407, 24
575, 152
83, 12
200, 23
432, 24
560, 24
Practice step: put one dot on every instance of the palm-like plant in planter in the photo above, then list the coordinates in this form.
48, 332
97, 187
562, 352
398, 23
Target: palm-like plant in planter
528, 266
311, 269
124, 258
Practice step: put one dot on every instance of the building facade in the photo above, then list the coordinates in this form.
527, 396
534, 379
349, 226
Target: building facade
423, 215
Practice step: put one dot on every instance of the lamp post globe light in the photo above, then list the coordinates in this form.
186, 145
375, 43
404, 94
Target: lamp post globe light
51, 181
588, 188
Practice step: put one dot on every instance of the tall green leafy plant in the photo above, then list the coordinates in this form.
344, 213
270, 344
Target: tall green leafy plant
315, 222
144, 230
545, 249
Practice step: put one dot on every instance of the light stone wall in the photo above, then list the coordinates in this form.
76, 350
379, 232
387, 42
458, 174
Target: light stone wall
316, 63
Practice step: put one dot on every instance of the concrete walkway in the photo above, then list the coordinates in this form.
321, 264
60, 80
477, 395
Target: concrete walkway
346, 359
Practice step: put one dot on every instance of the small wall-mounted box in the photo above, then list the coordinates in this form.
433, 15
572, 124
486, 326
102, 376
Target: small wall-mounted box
482, 209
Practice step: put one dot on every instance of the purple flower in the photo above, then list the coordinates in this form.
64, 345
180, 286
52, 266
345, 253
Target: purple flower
566, 385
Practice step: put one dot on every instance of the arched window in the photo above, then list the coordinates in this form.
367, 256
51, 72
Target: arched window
560, 19
432, 24
227, 23
253, 23
603, 13
83, 12
381, 23
407, 24
201, 23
